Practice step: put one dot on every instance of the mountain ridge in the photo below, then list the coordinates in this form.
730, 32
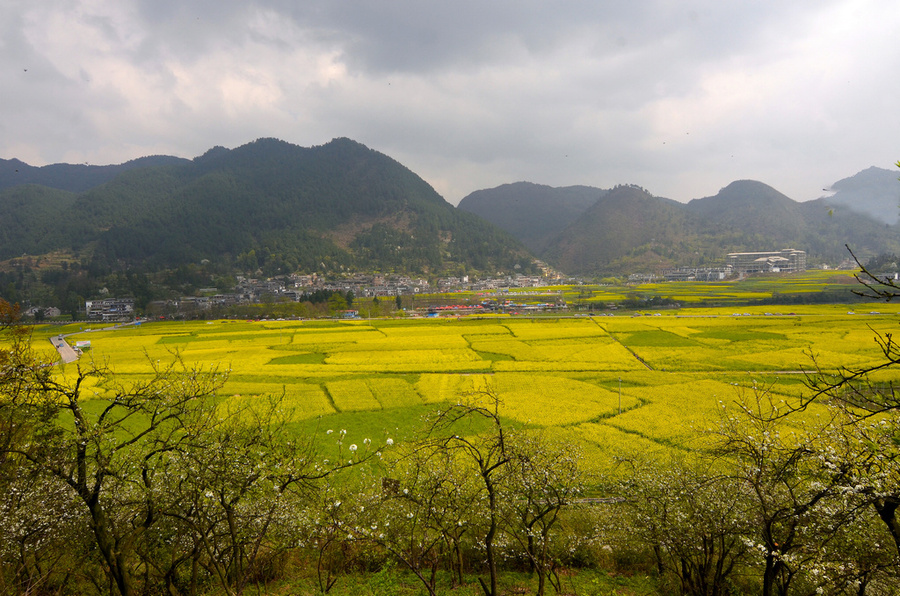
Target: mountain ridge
631, 230
272, 206
522, 209
73, 177
874, 191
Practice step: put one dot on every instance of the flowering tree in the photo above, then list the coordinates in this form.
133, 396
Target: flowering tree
694, 519
330, 523
794, 479
518, 483
422, 511
42, 544
544, 477
474, 436
104, 440
861, 451
227, 491
239, 490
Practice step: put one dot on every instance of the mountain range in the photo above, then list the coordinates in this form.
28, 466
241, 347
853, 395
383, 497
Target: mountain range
627, 229
272, 207
73, 177
266, 206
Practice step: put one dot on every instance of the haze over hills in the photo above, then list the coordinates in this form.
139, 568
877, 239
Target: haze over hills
874, 191
267, 205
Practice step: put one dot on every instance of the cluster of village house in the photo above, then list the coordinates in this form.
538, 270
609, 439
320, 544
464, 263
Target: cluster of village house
294, 287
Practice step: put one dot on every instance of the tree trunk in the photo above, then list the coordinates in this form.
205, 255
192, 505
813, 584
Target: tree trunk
115, 561
887, 511
769, 575
489, 544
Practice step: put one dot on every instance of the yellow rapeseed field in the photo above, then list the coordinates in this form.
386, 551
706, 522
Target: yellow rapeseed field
614, 384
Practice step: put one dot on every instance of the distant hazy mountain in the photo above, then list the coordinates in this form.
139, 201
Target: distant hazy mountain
750, 216
74, 177
267, 205
533, 213
874, 191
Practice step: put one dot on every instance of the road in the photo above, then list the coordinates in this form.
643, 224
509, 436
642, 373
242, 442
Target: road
66, 353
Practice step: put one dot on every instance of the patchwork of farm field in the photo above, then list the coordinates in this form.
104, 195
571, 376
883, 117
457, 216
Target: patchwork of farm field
611, 383
717, 293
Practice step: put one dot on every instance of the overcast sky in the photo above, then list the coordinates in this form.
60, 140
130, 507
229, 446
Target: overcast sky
680, 96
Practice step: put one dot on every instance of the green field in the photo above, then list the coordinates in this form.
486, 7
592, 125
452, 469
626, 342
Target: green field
611, 383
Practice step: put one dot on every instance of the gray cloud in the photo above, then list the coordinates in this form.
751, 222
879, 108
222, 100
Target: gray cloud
681, 98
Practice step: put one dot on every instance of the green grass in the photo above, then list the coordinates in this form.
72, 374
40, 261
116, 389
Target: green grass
306, 358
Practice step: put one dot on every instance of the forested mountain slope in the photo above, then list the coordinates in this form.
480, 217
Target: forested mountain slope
629, 230
271, 207
533, 213
73, 177
266, 205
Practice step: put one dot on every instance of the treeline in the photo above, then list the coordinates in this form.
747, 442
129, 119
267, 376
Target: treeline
165, 486
840, 296
65, 284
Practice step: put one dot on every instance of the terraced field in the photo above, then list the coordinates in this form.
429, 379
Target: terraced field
612, 383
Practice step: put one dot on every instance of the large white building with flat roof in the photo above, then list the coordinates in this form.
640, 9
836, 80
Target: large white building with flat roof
788, 260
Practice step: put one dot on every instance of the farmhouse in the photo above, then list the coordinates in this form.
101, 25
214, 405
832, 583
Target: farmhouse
788, 260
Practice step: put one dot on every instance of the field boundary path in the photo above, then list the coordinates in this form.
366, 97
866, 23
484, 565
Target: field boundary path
630, 351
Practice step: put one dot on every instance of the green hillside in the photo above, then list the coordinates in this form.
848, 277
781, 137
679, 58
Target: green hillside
268, 206
628, 230
73, 177
533, 213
